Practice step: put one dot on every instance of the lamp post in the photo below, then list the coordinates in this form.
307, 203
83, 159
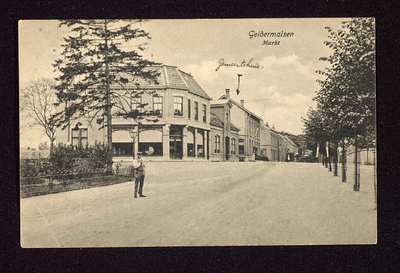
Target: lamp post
132, 134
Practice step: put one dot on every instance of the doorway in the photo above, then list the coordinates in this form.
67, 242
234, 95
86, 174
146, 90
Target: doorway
175, 147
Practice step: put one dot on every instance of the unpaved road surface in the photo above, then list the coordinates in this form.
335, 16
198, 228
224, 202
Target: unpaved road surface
209, 204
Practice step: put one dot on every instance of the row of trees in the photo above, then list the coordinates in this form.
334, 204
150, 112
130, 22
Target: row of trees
345, 113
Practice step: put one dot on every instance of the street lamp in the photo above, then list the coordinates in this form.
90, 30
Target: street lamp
132, 134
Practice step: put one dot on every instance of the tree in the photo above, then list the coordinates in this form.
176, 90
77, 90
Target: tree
347, 94
96, 55
36, 107
315, 129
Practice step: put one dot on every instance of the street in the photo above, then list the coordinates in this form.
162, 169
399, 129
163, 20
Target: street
209, 204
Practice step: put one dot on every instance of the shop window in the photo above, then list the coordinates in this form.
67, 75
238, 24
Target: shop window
190, 149
151, 149
178, 106
122, 149
200, 152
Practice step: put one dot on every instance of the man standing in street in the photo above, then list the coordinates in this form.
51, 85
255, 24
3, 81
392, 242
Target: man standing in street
139, 173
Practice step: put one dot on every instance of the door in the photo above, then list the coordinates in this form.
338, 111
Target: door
175, 147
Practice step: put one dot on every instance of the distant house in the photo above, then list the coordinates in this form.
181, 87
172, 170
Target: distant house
224, 135
249, 125
181, 130
366, 156
269, 142
292, 150
32, 153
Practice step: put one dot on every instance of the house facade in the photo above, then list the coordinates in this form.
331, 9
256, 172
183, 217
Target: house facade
180, 129
292, 150
249, 125
269, 142
224, 135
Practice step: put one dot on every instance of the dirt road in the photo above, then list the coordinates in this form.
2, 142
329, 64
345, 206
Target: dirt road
208, 204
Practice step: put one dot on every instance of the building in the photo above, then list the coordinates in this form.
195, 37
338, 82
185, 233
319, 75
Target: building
249, 125
32, 153
292, 150
281, 148
180, 131
366, 156
269, 142
224, 135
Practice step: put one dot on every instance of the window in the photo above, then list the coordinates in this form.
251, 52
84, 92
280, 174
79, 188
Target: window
158, 105
200, 152
136, 102
79, 137
190, 149
241, 149
204, 113
217, 141
122, 149
196, 110
189, 105
151, 148
233, 146
178, 106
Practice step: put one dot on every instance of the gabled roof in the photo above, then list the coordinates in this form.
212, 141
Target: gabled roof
170, 77
215, 121
290, 141
224, 97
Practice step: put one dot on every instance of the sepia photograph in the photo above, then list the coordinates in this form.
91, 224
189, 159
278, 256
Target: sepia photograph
197, 132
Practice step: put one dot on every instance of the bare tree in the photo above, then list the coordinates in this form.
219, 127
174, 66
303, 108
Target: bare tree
37, 105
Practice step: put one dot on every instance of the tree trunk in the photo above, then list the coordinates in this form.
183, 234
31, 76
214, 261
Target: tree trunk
335, 161
344, 160
329, 157
108, 108
356, 185
326, 160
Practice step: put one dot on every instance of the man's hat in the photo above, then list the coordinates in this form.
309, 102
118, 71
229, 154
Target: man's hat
139, 153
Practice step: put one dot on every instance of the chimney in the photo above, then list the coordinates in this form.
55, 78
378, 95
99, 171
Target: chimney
242, 103
227, 92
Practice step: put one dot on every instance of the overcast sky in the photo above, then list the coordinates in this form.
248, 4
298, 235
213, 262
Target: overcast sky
280, 91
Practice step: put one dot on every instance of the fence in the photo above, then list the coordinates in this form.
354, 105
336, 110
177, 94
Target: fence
70, 181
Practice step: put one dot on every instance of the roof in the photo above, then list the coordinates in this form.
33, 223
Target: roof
224, 97
170, 77
291, 141
215, 121
194, 87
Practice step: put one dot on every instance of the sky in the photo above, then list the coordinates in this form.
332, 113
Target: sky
279, 87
